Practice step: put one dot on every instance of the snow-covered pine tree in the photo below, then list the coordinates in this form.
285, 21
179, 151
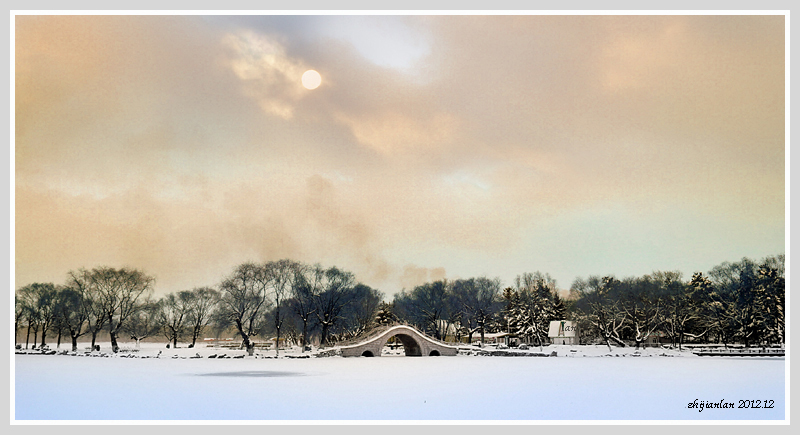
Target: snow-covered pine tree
385, 316
559, 310
770, 300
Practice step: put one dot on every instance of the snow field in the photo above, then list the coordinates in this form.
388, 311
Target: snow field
588, 387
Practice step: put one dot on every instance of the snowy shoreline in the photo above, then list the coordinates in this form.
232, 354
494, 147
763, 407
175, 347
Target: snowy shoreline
159, 350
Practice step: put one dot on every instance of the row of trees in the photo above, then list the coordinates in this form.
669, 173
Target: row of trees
741, 302
293, 299
735, 302
460, 308
285, 298
116, 301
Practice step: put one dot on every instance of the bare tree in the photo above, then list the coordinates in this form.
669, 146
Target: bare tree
307, 283
735, 291
202, 303
281, 276
426, 306
642, 299
29, 306
478, 301
118, 291
172, 314
81, 281
46, 305
359, 314
72, 313
600, 308
19, 314
683, 315
38, 303
144, 322
330, 302
244, 301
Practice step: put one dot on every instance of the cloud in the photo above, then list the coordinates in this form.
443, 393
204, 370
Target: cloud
398, 135
414, 275
186, 146
388, 41
639, 60
268, 74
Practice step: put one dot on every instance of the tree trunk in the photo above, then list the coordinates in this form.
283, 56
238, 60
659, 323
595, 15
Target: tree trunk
195, 334
324, 335
305, 334
608, 342
277, 340
114, 346
58, 340
74, 343
112, 331
28, 336
175, 341
245, 338
94, 337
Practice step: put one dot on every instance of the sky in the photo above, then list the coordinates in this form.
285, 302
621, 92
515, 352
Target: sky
435, 146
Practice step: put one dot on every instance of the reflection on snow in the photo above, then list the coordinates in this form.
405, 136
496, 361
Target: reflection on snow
254, 374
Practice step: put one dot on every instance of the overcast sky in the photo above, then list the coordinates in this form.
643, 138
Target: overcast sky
435, 146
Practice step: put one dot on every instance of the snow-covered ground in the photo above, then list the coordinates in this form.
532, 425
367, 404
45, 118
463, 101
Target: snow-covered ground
590, 383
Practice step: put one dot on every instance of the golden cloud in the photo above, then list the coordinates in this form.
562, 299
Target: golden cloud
393, 133
267, 73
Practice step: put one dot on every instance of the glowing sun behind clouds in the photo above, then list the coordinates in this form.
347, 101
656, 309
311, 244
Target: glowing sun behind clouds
311, 79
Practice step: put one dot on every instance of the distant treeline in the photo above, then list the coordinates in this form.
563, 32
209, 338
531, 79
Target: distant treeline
293, 302
742, 302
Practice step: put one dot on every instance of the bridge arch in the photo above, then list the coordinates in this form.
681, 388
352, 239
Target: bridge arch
410, 345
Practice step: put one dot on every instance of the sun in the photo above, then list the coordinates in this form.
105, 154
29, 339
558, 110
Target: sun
311, 79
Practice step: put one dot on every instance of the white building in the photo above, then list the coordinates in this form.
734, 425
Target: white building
563, 332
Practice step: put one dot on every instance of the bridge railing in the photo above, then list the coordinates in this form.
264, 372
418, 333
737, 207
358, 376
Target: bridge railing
372, 333
442, 342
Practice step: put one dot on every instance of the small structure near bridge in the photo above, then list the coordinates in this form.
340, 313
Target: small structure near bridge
563, 332
414, 342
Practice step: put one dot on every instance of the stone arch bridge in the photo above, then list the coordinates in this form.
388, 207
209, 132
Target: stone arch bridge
414, 342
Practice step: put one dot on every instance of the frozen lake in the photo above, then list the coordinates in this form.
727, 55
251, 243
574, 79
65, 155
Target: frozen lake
394, 388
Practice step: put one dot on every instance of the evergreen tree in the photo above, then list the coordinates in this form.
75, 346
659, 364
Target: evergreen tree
770, 300
535, 306
385, 315
559, 309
